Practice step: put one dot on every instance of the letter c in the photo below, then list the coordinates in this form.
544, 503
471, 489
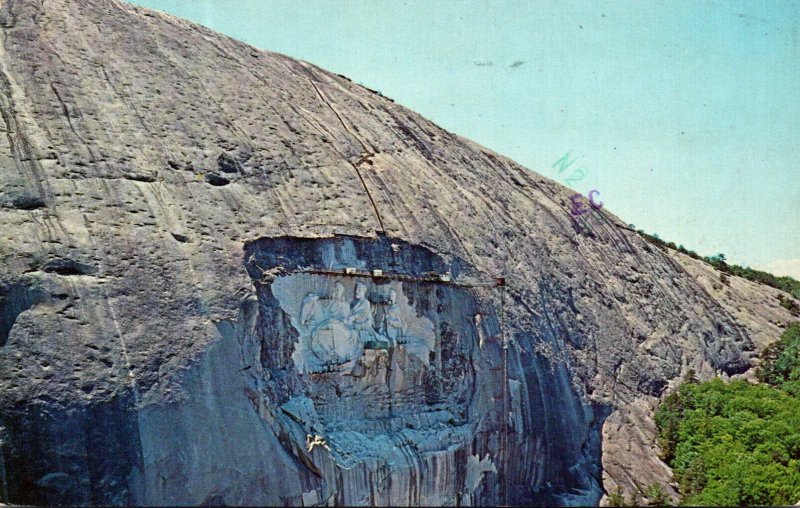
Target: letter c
596, 206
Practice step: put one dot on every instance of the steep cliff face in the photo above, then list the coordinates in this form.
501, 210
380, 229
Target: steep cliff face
190, 310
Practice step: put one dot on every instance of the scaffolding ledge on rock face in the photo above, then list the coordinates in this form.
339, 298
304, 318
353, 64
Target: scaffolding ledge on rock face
382, 274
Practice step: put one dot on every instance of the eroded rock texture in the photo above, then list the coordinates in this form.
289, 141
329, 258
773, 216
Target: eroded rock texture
177, 324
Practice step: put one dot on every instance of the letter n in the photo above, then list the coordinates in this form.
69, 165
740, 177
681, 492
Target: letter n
564, 162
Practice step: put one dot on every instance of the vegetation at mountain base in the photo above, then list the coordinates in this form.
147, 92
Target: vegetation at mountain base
738, 443
653, 495
781, 359
718, 261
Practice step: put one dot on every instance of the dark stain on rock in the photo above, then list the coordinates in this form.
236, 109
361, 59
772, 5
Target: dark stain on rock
14, 300
28, 202
139, 177
216, 180
81, 455
64, 266
227, 163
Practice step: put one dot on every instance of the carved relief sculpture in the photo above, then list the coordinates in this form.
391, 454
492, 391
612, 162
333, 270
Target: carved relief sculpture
392, 323
326, 321
361, 317
334, 331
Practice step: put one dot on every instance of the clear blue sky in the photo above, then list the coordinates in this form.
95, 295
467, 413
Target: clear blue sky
686, 114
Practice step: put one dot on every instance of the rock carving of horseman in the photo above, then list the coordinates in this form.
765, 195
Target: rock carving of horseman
326, 321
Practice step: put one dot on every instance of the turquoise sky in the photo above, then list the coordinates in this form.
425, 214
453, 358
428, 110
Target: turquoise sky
686, 115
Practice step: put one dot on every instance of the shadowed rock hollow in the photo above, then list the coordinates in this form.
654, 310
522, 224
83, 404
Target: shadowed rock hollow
178, 215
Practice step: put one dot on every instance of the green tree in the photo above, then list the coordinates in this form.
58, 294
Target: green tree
617, 498
668, 418
737, 443
657, 496
634, 499
789, 304
781, 360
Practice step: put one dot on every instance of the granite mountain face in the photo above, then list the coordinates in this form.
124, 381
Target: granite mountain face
231, 277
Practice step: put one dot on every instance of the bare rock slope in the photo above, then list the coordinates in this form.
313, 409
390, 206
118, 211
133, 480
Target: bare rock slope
231, 277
